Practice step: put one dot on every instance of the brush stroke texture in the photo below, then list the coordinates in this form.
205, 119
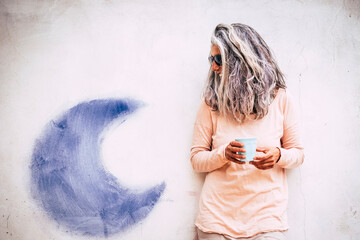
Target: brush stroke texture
69, 180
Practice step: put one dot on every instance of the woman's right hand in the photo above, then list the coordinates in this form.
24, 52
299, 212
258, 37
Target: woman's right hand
231, 151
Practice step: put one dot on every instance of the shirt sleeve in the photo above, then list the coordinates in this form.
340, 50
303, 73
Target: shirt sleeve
203, 157
292, 154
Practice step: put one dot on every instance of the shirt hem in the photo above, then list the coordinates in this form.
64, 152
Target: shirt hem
252, 234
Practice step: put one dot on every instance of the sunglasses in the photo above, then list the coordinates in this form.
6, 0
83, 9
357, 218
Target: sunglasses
216, 58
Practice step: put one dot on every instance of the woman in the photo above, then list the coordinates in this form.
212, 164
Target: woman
245, 96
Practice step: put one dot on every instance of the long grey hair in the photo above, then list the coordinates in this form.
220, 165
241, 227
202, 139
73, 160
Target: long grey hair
250, 76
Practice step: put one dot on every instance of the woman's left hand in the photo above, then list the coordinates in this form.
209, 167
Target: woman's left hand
267, 160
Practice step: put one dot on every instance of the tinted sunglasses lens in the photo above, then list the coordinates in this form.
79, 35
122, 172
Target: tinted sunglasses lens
217, 59
211, 59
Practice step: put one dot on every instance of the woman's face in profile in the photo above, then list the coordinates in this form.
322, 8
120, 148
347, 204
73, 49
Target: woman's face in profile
214, 67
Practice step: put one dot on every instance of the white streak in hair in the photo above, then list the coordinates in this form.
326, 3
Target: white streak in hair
250, 75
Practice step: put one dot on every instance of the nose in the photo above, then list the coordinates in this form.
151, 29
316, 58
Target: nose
214, 66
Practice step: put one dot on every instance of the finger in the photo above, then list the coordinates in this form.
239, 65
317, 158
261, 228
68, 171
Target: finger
233, 155
264, 162
238, 156
237, 149
267, 167
261, 149
263, 157
262, 165
256, 165
234, 158
237, 144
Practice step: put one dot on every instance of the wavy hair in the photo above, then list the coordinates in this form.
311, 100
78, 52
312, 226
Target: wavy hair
250, 75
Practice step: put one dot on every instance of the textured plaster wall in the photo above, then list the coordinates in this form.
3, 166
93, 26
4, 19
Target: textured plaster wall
55, 54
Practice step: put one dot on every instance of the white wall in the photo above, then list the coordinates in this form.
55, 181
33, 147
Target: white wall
55, 54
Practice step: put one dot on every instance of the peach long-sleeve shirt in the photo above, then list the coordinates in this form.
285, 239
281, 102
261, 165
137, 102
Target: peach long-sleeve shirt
241, 200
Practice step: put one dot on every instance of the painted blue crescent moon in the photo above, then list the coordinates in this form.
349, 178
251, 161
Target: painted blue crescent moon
69, 180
